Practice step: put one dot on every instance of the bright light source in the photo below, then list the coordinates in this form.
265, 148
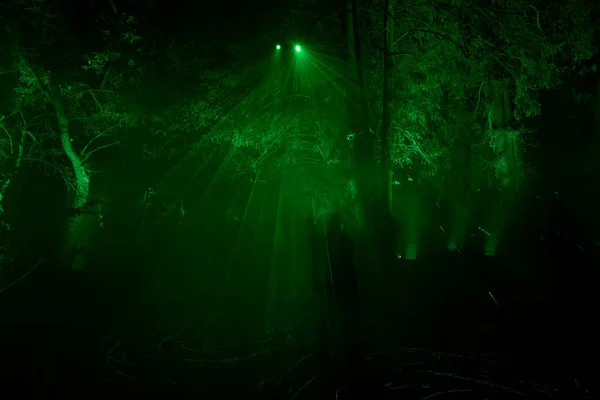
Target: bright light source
278, 47
297, 49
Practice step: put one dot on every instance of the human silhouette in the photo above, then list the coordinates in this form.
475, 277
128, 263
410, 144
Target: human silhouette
346, 361
335, 288
343, 287
320, 288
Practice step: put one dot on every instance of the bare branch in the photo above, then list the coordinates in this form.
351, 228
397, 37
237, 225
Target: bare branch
57, 168
9, 138
479, 97
96, 137
4, 289
95, 100
22, 116
98, 148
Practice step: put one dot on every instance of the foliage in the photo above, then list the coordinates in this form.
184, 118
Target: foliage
178, 128
446, 51
94, 86
273, 137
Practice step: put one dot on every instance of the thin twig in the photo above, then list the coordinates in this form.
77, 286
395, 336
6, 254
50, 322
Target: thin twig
10, 139
98, 148
96, 137
479, 98
4, 289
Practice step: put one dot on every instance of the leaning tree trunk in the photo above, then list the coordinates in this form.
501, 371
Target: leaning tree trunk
79, 226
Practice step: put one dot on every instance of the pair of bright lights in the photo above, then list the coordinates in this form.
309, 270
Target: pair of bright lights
298, 48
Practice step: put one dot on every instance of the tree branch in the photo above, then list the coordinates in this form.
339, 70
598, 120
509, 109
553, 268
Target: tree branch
98, 148
96, 137
4, 289
9, 138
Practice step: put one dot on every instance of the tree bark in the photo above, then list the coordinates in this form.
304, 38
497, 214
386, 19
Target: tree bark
357, 149
79, 226
388, 97
364, 141
597, 107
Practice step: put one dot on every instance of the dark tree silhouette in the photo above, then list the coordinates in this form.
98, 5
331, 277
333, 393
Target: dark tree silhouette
320, 287
336, 290
344, 305
344, 287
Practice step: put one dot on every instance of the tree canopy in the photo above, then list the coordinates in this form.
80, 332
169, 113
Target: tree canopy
87, 79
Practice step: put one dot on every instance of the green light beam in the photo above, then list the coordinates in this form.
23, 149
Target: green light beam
273, 281
334, 72
328, 77
241, 228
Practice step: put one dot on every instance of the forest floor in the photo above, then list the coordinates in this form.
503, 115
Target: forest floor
55, 340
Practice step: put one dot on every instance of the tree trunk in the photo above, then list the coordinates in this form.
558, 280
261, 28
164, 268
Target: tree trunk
364, 139
355, 137
388, 97
79, 226
597, 107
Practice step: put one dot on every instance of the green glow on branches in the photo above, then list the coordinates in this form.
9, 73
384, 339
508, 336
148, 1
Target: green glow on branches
298, 48
278, 47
